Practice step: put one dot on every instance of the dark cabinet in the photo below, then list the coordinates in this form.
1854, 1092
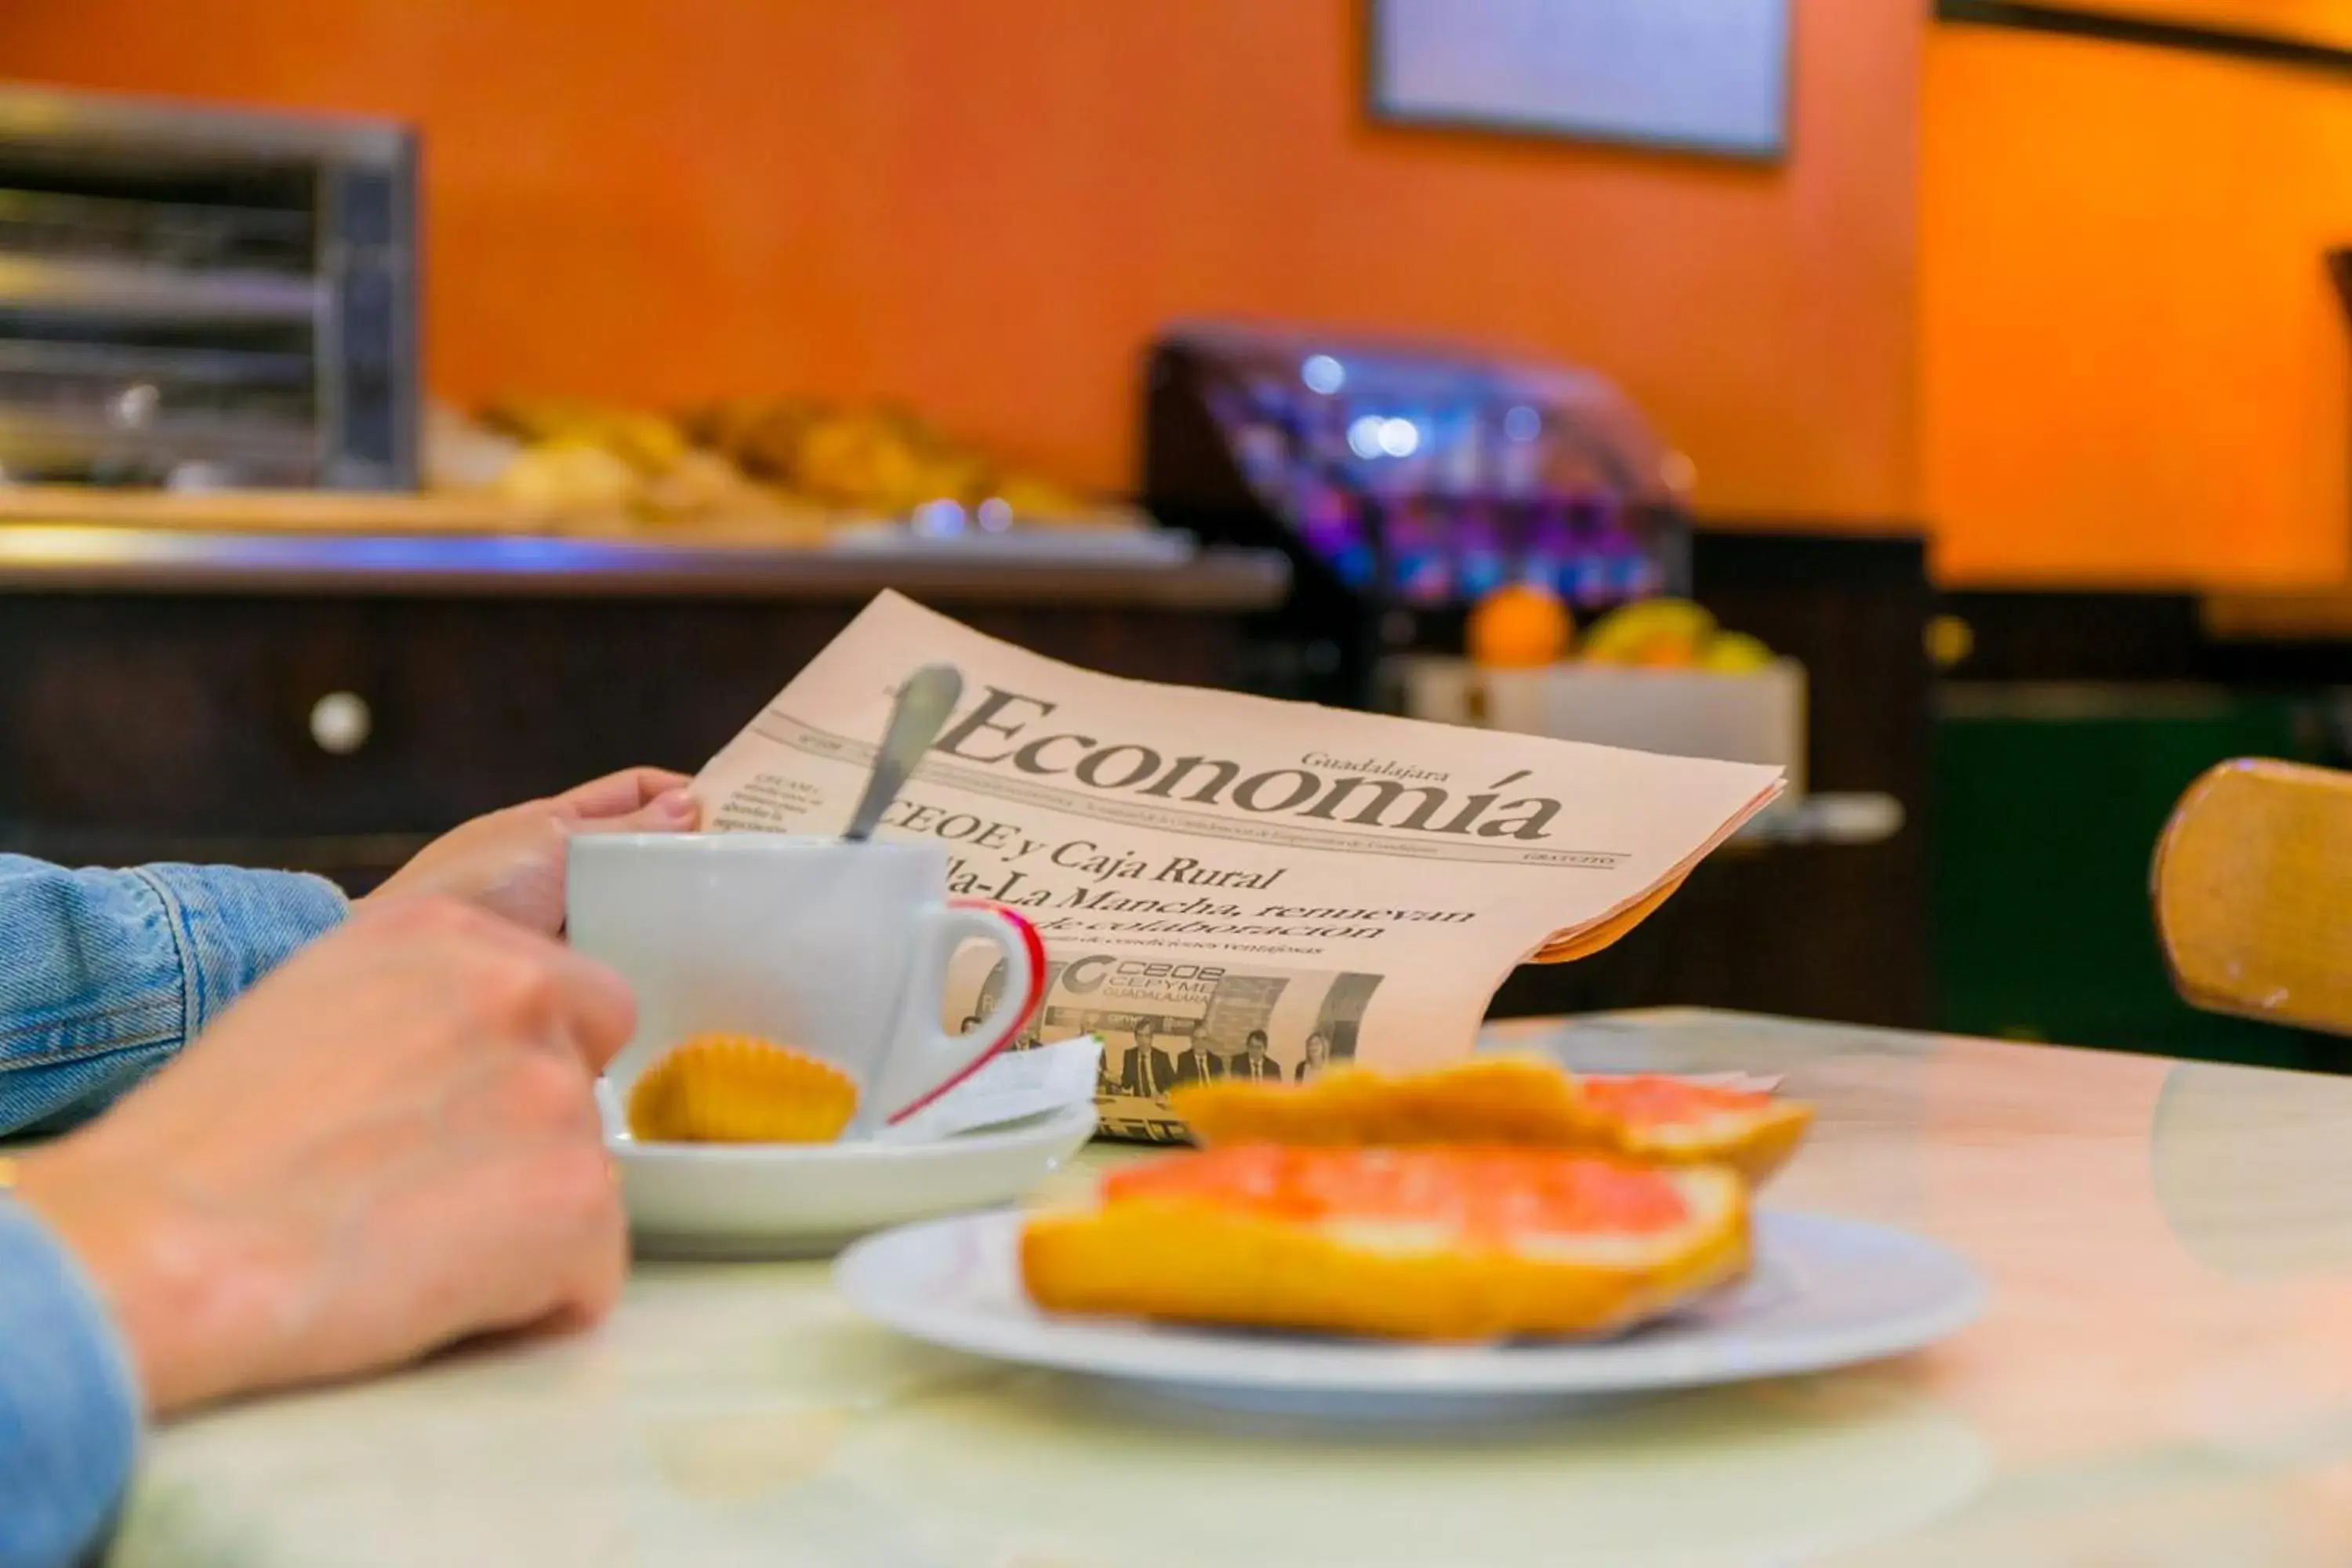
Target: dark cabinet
335, 733
1827, 930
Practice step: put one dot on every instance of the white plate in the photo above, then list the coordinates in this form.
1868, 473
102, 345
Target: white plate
1825, 1292
798, 1200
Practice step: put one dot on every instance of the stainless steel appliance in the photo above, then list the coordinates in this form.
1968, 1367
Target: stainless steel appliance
1404, 481
199, 296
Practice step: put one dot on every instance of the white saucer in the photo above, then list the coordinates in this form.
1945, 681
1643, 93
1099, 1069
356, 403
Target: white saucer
1825, 1292
799, 1200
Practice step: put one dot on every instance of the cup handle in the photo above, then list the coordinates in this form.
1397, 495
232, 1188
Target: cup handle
934, 1061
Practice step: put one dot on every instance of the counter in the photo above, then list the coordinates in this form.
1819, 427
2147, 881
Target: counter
1073, 568
328, 701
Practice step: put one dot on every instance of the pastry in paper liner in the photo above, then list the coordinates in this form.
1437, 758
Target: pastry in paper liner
736, 1088
1500, 1262
1515, 1099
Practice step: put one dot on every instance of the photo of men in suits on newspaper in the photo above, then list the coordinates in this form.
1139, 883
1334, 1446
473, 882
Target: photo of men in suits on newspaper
1166, 1022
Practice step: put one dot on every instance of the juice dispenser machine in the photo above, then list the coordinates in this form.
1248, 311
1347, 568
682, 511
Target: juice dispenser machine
1403, 481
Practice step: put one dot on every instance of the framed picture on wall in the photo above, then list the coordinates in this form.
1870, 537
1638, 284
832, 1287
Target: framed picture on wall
1700, 76
2314, 33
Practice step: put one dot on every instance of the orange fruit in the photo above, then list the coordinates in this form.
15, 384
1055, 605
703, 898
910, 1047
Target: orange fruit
1519, 627
735, 1088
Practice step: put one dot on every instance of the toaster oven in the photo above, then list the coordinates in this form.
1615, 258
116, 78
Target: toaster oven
195, 297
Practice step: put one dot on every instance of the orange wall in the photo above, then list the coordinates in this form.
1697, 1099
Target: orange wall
2133, 368
985, 206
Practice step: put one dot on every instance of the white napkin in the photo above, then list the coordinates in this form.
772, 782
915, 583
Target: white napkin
1010, 1086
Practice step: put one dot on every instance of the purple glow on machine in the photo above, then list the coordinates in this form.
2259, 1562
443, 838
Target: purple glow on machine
1428, 477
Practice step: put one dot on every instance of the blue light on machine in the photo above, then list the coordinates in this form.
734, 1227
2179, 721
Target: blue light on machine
1522, 424
1323, 374
1372, 436
940, 518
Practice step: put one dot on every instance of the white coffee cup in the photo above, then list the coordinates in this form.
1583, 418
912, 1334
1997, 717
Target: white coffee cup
835, 949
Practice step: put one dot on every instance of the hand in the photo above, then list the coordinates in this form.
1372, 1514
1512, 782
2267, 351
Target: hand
511, 862
390, 1143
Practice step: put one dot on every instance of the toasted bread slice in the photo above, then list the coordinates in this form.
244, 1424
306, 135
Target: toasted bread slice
1671, 1118
1515, 1099
1420, 1244
1486, 1099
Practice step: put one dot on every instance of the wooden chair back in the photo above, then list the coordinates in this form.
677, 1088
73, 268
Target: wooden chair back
2253, 890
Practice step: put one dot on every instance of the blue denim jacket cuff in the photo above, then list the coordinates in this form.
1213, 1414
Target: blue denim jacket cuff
70, 1403
235, 926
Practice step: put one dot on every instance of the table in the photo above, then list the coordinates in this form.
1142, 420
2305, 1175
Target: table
2164, 1376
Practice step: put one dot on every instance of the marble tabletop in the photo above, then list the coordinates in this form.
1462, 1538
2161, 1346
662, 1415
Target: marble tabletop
2164, 1376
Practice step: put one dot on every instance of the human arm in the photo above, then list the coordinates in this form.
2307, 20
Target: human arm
511, 862
68, 1405
105, 975
391, 1144
108, 973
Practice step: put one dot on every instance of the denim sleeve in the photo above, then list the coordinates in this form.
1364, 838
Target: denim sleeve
69, 1405
103, 975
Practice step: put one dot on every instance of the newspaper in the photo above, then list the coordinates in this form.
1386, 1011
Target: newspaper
1229, 886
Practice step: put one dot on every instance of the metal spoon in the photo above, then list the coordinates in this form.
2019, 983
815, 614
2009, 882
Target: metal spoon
916, 720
